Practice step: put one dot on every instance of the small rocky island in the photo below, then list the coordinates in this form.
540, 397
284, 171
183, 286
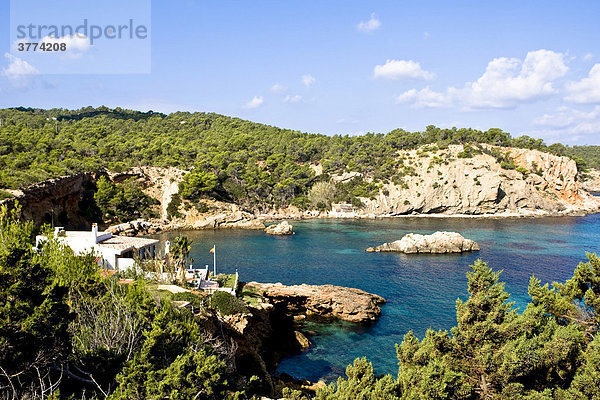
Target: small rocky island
282, 228
438, 243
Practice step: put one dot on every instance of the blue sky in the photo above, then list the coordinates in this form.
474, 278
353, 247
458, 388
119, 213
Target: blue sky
350, 67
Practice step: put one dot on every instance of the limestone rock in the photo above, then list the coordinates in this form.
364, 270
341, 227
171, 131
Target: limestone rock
328, 301
133, 228
282, 228
441, 182
438, 243
592, 181
302, 340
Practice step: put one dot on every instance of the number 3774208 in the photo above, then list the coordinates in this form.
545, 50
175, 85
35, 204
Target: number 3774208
42, 46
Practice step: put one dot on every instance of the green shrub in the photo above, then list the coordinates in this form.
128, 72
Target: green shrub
173, 207
123, 201
5, 195
226, 304
202, 207
507, 164
195, 300
522, 170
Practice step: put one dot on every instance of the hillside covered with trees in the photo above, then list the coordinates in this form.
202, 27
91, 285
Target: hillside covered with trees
68, 332
230, 159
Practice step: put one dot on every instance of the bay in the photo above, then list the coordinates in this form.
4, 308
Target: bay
421, 290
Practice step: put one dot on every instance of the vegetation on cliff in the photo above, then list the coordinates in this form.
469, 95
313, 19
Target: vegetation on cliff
123, 202
550, 351
231, 159
68, 332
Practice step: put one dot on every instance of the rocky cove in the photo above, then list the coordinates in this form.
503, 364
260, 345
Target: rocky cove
271, 328
436, 183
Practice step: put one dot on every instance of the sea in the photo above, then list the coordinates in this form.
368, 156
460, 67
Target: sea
420, 289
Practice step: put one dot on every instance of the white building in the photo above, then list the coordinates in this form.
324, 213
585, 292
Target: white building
342, 210
114, 252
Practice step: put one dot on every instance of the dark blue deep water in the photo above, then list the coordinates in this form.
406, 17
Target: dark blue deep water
421, 290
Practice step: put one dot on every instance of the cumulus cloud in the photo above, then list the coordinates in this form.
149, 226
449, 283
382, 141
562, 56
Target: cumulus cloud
586, 90
19, 72
256, 102
369, 26
308, 80
76, 44
424, 98
278, 88
505, 83
569, 124
292, 99
402, 69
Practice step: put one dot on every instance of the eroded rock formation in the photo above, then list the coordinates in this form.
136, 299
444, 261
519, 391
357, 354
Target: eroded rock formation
592, 181
326, 301
438, 243
282, 228
441, 182
66, 201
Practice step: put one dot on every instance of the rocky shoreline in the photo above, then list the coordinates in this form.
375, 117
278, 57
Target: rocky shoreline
324, 301
440, 184
259, 222
271, 329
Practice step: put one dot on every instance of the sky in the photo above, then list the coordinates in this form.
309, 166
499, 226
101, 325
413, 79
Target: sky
333, 67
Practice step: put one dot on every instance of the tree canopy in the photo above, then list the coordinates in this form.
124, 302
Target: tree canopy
231, 159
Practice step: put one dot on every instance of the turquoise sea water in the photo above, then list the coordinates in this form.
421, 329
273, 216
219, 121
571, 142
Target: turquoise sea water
421, 290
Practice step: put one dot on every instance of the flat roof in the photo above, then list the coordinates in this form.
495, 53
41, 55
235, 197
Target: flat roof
126, 242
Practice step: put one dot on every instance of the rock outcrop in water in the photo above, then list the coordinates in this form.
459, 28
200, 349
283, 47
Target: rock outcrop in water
282, 228
438, 243
269, 330
326, 301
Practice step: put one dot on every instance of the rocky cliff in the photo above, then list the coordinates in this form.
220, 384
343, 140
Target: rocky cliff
592, 181
66, 201
453, 181
326, 301
494, 180
270, 329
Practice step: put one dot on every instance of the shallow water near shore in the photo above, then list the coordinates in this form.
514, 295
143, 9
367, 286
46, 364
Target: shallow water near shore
421, 290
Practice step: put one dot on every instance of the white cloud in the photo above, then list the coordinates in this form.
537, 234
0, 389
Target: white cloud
308, 80
278, 88
424, 98
505, 83
256, 102
402, 69
588, 57
19, 72
369, 26
347, 121
569, 124
586, 90
292, 99
76, 44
